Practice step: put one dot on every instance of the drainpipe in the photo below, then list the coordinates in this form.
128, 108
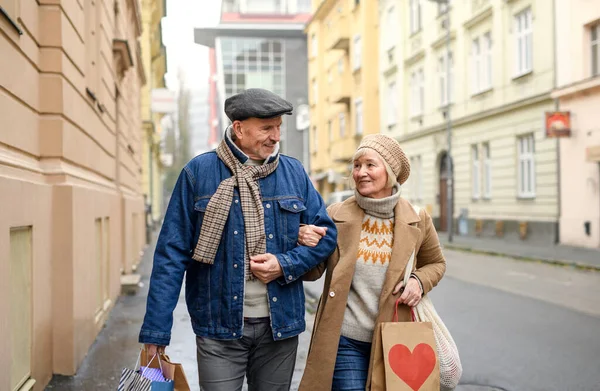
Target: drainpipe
556, 108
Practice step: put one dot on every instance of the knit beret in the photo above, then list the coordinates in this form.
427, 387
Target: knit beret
256, 103
390, 151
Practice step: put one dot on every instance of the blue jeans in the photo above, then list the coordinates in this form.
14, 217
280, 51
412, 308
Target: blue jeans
351, 365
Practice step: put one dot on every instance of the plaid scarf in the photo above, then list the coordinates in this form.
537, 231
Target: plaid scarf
217, 210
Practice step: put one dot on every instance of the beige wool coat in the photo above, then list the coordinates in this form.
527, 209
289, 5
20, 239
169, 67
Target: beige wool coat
411, 232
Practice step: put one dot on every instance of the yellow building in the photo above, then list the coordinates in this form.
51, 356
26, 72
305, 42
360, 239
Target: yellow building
500, 65
154, 57
343, 86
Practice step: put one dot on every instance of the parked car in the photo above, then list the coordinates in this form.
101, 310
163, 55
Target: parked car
339, 196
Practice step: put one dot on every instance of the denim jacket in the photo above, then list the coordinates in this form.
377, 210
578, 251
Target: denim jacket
214, 293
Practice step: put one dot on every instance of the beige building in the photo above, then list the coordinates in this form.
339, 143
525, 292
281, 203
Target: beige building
500, 65
343, 83
578, 92
72, 216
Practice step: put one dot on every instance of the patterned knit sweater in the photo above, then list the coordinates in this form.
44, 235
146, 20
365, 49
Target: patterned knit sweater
374, 255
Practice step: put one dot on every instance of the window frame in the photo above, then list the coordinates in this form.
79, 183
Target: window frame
475, 172
487, 171
523, 22
359, 122
526, 186
356, 52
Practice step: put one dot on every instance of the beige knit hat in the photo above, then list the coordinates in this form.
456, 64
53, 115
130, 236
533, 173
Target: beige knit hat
390, 151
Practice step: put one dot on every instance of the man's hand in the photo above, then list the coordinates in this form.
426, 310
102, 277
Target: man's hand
411, 295
152, 350
310, 235
265, 267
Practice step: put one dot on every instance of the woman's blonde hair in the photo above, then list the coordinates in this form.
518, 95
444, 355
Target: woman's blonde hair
391, 178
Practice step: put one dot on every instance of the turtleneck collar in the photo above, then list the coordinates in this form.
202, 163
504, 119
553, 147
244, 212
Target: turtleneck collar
379, 207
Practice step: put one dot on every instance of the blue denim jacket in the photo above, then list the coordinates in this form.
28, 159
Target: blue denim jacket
214, 292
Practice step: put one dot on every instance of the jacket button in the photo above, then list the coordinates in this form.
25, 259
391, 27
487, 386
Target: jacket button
235, 266
235, 232
270, 236
332, 293
295, 206
290, 278
274, 300
234, 334
234, 297
268, 206
279, 335
237, 201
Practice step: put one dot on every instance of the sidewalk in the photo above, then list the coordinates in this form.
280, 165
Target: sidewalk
116, 346
579, 257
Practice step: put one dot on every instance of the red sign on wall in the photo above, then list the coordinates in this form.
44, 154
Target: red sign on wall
558, 124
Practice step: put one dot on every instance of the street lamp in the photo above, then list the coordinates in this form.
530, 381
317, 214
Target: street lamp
449, 168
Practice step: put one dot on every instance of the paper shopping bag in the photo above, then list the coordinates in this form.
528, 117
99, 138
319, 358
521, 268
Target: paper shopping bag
170, 370
410, 356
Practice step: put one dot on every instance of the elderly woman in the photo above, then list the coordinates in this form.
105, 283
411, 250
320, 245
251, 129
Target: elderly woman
377, 233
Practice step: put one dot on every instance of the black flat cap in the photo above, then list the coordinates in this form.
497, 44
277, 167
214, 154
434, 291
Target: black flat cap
256, 103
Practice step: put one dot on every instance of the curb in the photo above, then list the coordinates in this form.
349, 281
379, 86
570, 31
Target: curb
554, 262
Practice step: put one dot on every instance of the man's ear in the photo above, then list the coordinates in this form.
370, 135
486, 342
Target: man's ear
237, 129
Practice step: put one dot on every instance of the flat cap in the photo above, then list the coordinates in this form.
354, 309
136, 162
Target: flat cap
256, 103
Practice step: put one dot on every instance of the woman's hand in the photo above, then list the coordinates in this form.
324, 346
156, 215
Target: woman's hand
412, 293
310, 235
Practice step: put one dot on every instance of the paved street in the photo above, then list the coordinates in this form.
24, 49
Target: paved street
520, 326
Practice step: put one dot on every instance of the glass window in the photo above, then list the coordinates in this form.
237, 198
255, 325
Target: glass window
595, 46
523, 45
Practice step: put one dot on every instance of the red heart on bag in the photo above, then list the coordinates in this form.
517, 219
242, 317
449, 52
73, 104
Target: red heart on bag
413, 368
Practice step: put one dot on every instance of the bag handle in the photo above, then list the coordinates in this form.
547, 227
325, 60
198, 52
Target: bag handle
412, 312
156, 355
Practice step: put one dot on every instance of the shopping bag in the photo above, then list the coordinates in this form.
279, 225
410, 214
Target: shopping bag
410, 356
172, 371
132, 380
159, 380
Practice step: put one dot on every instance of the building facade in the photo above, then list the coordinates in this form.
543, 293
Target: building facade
154, 57
343, 86
260, 44
578, 92
493, 74
70, 177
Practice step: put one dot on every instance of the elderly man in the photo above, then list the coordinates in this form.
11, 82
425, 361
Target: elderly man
232, 228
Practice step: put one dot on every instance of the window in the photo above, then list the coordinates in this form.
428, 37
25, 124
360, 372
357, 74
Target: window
416, 179
391, 35
253, 63
476, 64
357, 54
444, 7
526, 168
392, 104
342, 118
417, 92
487, 171
358, 115
314, 45
487, 61
341, 66
475, 170
415, 15
315, 141
595, 43
481, 62
304, 6
315, 92
330, 130
446, 74
524, 32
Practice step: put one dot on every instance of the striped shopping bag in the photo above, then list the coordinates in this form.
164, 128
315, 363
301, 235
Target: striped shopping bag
132, 380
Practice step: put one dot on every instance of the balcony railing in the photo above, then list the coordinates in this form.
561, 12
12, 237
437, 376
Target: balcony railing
341, 88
